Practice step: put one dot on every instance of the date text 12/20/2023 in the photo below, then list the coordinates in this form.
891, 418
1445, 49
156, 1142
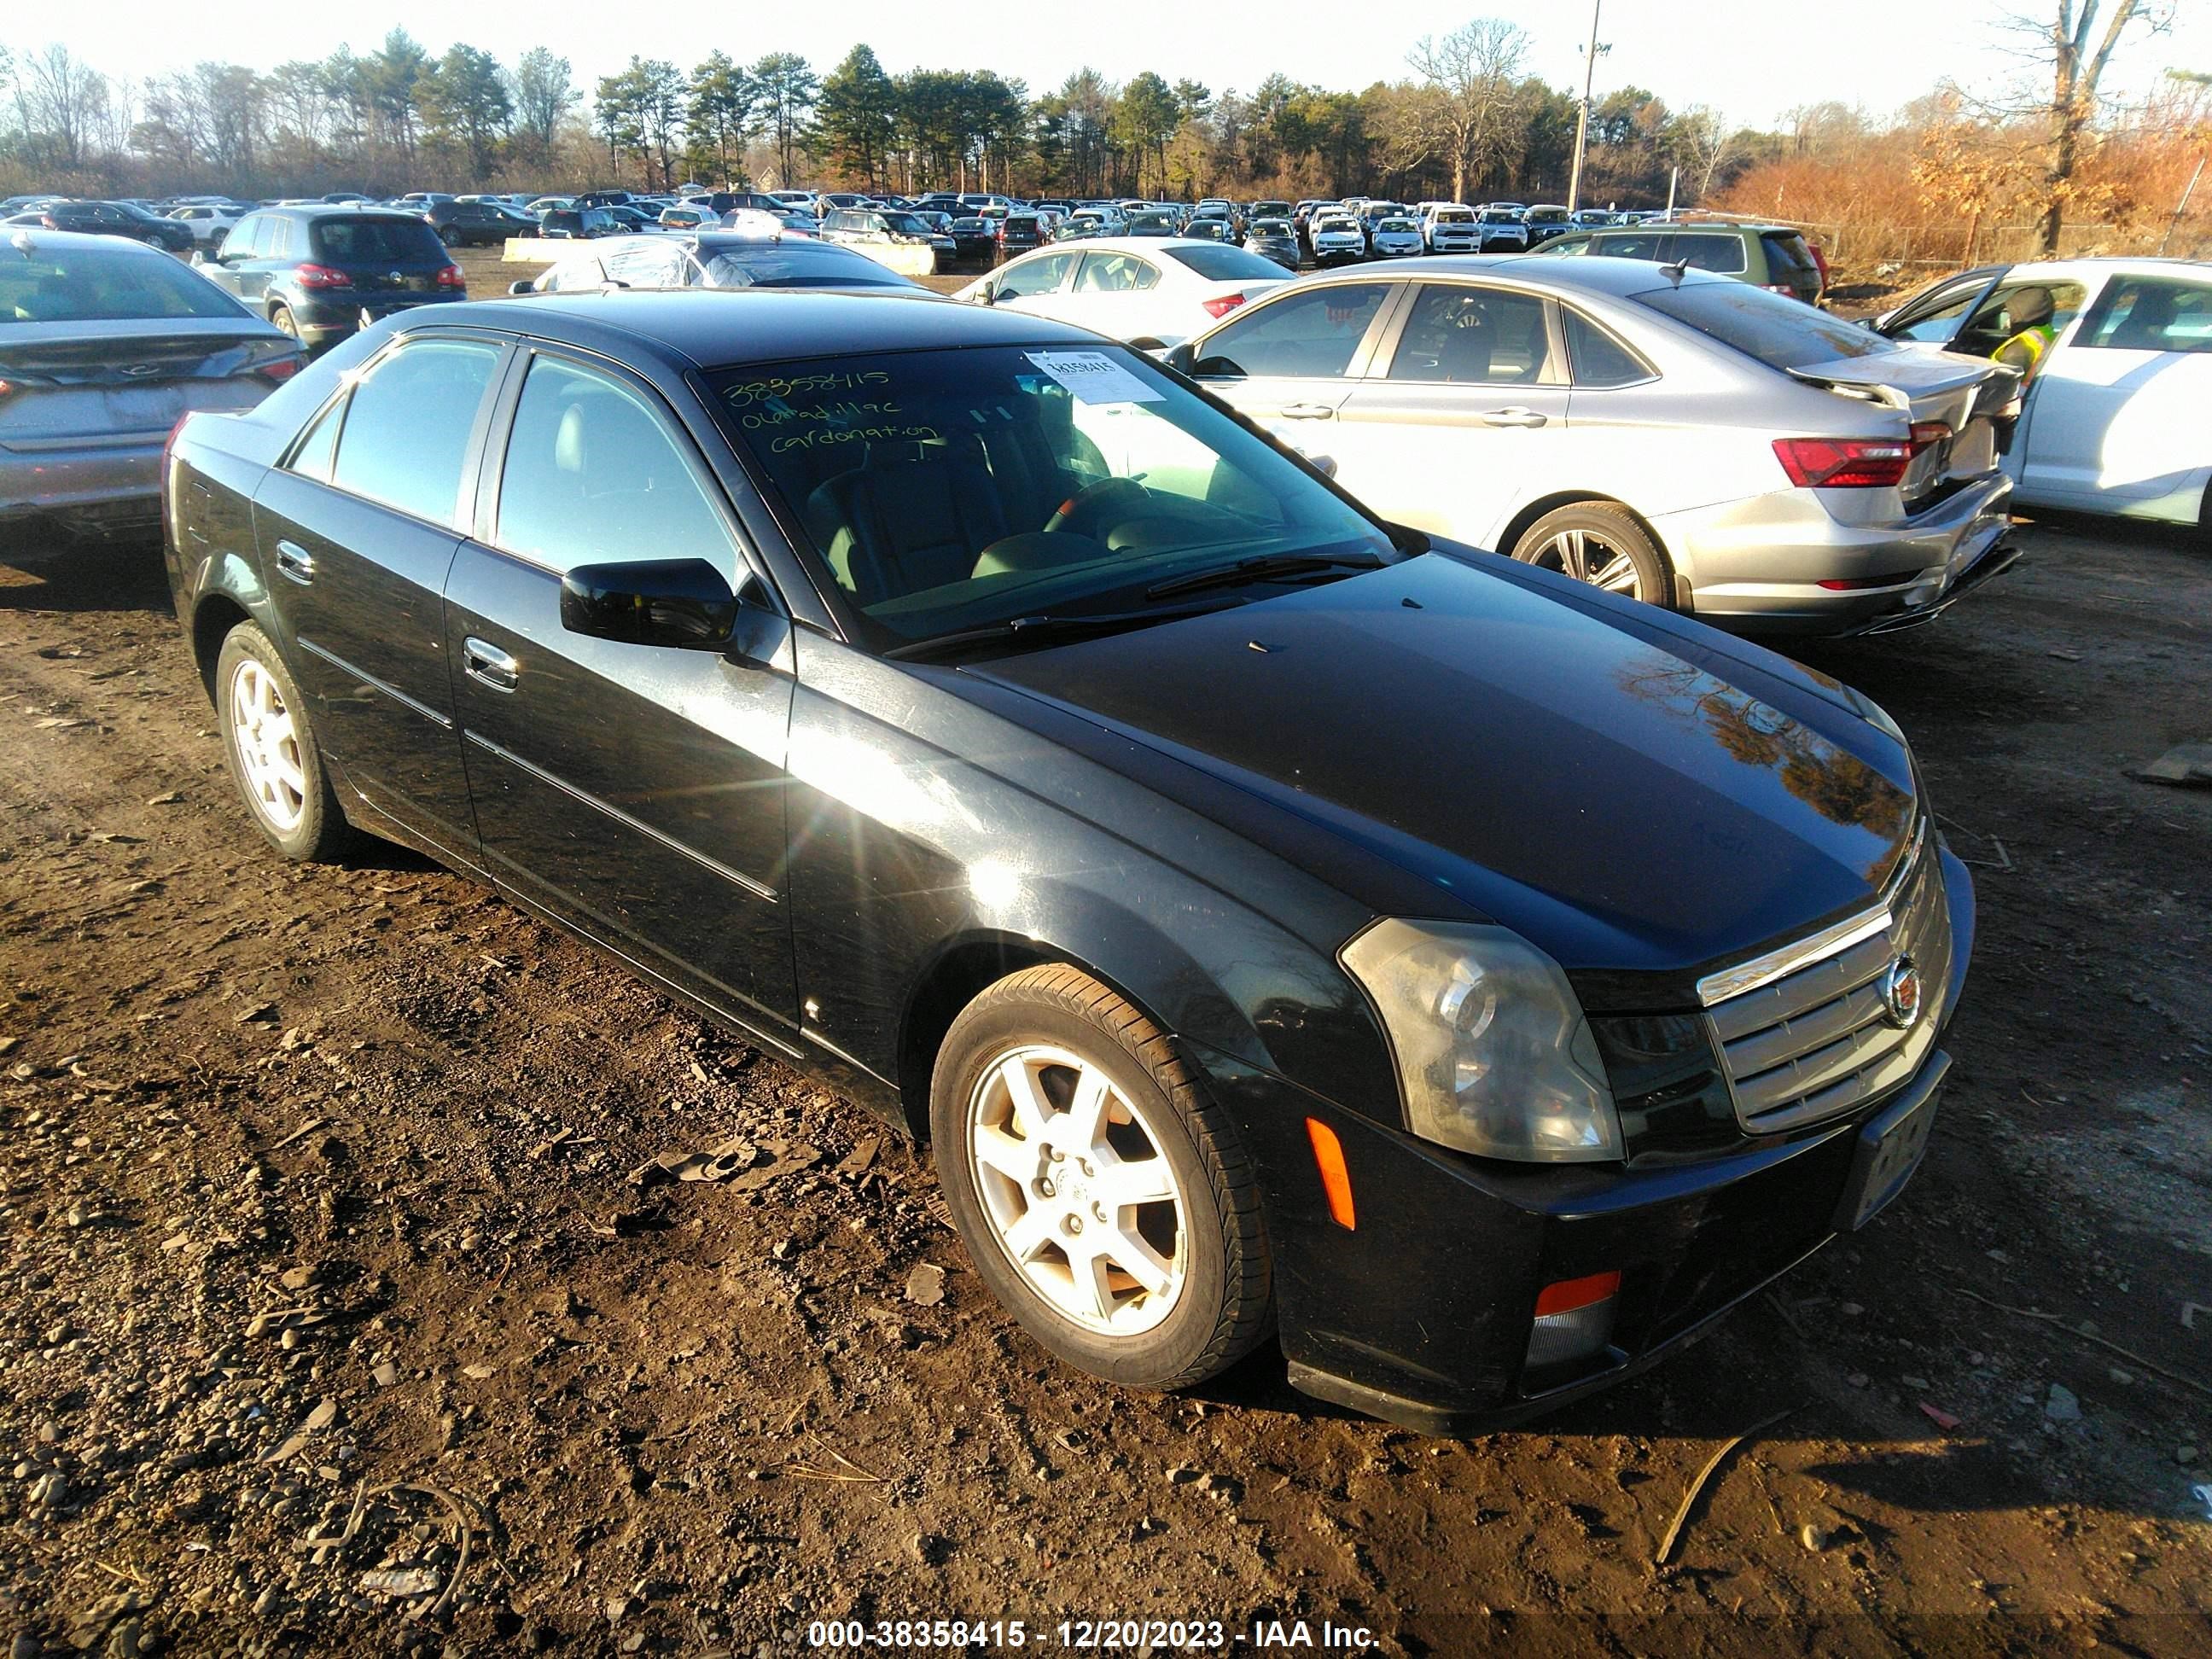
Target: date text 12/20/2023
1098, 1635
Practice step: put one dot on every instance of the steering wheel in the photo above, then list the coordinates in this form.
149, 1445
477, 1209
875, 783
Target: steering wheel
1081, 512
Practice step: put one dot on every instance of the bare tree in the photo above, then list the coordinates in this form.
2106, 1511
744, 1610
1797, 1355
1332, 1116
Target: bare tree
1703, 143
64, 102
2065, 44
1474, 67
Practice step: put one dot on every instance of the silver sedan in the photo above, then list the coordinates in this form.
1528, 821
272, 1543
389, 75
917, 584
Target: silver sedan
104, 345
1664, 433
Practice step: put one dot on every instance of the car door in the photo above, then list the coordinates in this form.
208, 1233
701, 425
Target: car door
233, 267
2116, 413
635, 791
1934, 319
356, 531
1288, 361
1462, 413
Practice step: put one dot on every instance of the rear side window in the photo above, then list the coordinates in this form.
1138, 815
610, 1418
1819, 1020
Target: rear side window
1476, 335
2152, 314
1598, 359
1721, 254
1116, 273
377, 241
593, 476
406, 435
1780, 332
1311, 333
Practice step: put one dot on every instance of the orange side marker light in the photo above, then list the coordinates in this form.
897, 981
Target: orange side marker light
1336, 1179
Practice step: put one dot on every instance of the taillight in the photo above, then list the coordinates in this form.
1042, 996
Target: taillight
1222, 304
322, 276
278, 370
1845, 463
7, 390
452, 276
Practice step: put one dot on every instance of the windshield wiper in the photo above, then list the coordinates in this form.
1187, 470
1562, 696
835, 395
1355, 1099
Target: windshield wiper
1042, 628
1265, 567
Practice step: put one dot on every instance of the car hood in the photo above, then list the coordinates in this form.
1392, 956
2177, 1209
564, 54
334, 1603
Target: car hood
1632, 792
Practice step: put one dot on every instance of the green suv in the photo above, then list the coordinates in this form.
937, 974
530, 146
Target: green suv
1777, 257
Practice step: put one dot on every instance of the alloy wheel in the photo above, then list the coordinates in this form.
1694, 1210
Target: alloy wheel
1077, 1191
1589, 558
268, 746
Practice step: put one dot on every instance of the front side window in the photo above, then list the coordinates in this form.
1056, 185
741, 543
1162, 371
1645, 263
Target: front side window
1026, 278
1308, 334
1937, 320
406, 434
1473, 335
1629, 245
946, 491
2152, 314
593, 476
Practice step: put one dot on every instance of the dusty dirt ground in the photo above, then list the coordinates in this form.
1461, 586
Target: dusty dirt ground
322, 1258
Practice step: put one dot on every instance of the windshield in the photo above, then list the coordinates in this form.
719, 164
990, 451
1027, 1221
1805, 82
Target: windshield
947, 490
1500, 216
1455, 216
907, 224
43, 285
1396, 224
1780, 332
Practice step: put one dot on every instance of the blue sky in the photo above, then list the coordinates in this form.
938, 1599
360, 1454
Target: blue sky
1750, 59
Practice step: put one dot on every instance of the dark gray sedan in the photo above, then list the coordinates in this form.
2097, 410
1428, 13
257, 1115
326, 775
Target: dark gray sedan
104, 345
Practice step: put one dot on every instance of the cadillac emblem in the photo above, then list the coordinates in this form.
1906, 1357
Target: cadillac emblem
1900, 993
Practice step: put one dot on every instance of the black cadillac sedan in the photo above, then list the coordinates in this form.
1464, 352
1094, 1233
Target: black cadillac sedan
1276, 920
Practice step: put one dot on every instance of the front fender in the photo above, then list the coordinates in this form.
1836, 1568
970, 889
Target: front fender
921, 823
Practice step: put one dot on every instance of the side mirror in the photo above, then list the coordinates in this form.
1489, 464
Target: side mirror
681, 603
1180, 359
523, 285
987, 295
1324, 465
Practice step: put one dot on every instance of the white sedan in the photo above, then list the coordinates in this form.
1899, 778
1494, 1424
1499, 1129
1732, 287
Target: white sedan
1162, 289
2115, 417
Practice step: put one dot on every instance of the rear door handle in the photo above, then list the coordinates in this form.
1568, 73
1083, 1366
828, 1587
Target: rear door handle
1511, 417
1308, 411
490, 664
295, 561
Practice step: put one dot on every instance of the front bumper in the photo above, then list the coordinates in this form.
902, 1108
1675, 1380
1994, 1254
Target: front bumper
1757, 564
1421, 1313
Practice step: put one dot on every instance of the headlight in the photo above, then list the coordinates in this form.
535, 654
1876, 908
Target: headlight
1494, 1056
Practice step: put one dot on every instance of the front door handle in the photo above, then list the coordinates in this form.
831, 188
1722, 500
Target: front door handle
1515, 416
490, 664
296, 563
1308, 411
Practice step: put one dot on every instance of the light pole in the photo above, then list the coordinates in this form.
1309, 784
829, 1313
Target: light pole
1581, 125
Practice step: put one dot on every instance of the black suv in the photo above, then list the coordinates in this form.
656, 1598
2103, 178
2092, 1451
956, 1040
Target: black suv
120, 219
475, 224
575, 224
321, 272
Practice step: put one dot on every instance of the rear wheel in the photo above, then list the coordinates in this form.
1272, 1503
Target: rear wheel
270, 747
1102, 1196
281, 316
1598, 542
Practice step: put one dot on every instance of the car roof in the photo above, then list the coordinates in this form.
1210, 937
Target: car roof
310, 210
1590, 273
712, 328
27, 239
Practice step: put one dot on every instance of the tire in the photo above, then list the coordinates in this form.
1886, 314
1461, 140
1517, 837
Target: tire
269, 747
1207, 1298
1600, 543
280, 316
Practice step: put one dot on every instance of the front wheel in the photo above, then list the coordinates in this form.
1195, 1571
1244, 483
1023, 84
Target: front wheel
1106, 1201
269, 745
1598, 542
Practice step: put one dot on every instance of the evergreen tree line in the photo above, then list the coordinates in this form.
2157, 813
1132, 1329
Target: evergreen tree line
1465, 122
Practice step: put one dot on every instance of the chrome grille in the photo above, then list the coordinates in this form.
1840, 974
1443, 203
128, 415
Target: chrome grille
1806, 1037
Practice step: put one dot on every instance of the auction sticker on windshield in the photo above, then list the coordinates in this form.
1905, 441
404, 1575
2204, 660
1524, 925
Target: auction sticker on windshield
1094, 377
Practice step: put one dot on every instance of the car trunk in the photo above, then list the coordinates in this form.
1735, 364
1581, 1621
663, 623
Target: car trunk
121, 377
1961, 410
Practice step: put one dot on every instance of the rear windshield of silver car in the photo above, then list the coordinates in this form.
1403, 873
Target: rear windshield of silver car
1780, 332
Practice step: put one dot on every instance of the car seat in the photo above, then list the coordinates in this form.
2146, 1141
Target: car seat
909, 517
